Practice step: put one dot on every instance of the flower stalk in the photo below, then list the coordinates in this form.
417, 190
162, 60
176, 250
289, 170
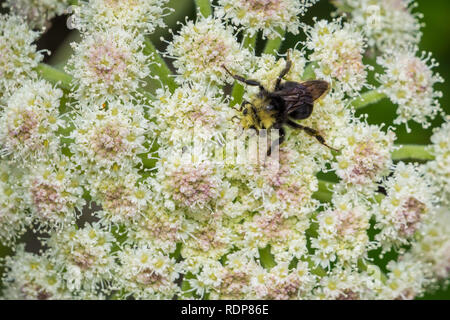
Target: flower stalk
325, 192
309, 73
368, 98
413, 152
238, 90
273, 45
55, 76
159, 67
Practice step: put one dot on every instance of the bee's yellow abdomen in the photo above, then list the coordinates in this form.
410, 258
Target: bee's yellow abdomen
247, 122
256, 116
266, 118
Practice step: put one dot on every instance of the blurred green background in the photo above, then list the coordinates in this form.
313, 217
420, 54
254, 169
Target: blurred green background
435, 32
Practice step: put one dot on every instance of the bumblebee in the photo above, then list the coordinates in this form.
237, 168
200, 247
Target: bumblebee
289, 101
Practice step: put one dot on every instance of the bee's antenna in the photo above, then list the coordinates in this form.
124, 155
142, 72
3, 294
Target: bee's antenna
223, 66
246, 81
329, 147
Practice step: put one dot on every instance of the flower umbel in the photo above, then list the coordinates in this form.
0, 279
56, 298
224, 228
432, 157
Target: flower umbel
224, 160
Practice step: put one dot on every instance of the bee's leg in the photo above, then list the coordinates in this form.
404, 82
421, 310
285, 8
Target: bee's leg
244, 103
278, 141
312, 132
246, 81
284, 71
235, 117
241, 107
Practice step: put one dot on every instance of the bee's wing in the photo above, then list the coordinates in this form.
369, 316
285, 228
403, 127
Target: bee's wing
317, 88
297, 99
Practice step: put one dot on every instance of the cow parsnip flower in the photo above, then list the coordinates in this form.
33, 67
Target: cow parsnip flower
30, 121
197, 182
342, 233
37, 13
283, 282
434, 243
386, 23
33, 277
338, 49
147, 273
108, 65
144, 15
409, 82
406, 278
157, 192
285, 235
159, 227
408, 206
366, 155
267, 67
85, 254
18, 53
438, 169
109, 138
54, 193
268, 16
346, 284
191, 111
122, 196
13, 216
286, 185
202, 48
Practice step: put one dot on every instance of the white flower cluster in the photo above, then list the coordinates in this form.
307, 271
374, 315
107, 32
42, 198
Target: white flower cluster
386, 23
30, 121
108, 65
439, 168
145, 15
338, 51
408, 82
202, 48
366, 156
37, 13
268, 16
140, 190
18, 53
408, 205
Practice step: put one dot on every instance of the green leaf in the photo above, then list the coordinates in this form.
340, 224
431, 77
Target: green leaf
204, 6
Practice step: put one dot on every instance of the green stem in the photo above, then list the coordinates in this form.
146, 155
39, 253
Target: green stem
309, 73
159, 67
55, 76
266, 258
368, 98
342, 7
273, 45
64, 81
317, 270
237, 92
325, 192
249, 42
413, 151
373, 270
204, 6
